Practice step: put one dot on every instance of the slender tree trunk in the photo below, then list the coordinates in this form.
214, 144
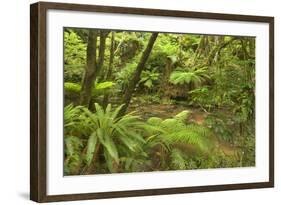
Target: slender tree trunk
136, 77
200, 49
252, 47
103, 36
89, 69
100, 62
165, 78
110, 66
93, 66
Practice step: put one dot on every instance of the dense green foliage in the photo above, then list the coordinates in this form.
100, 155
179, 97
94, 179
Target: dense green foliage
138, 102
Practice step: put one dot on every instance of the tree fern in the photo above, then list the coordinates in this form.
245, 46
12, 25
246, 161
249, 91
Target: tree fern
194, 76
169, 133
175, 130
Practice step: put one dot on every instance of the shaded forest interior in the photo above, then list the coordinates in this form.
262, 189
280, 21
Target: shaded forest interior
143, 101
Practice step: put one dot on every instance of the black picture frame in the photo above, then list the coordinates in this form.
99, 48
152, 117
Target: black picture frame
38, 100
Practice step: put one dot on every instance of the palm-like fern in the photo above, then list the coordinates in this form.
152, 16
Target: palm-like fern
88, 131
112, 132
193, 76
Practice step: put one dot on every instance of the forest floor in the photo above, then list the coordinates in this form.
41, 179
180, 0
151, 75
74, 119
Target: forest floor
165, 111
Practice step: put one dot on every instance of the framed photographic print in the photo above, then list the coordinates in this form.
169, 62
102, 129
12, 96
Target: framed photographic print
134, 102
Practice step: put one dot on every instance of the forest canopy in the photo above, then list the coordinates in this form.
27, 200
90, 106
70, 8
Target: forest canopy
149, 101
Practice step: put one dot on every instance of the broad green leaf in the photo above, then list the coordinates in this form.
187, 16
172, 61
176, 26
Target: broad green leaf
108, 143
148, 83
91, 146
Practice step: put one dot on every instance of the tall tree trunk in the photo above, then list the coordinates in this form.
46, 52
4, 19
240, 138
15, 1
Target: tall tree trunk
103, 36
165, 78
136, 76
90, 68
93, 66
200, 49
100, 62
110, 66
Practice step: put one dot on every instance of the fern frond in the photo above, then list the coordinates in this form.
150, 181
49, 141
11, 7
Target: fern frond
194, 76
183, 115
177, 159
154, 121
175, 130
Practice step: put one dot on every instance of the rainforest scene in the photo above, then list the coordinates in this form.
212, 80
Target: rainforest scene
138, 101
